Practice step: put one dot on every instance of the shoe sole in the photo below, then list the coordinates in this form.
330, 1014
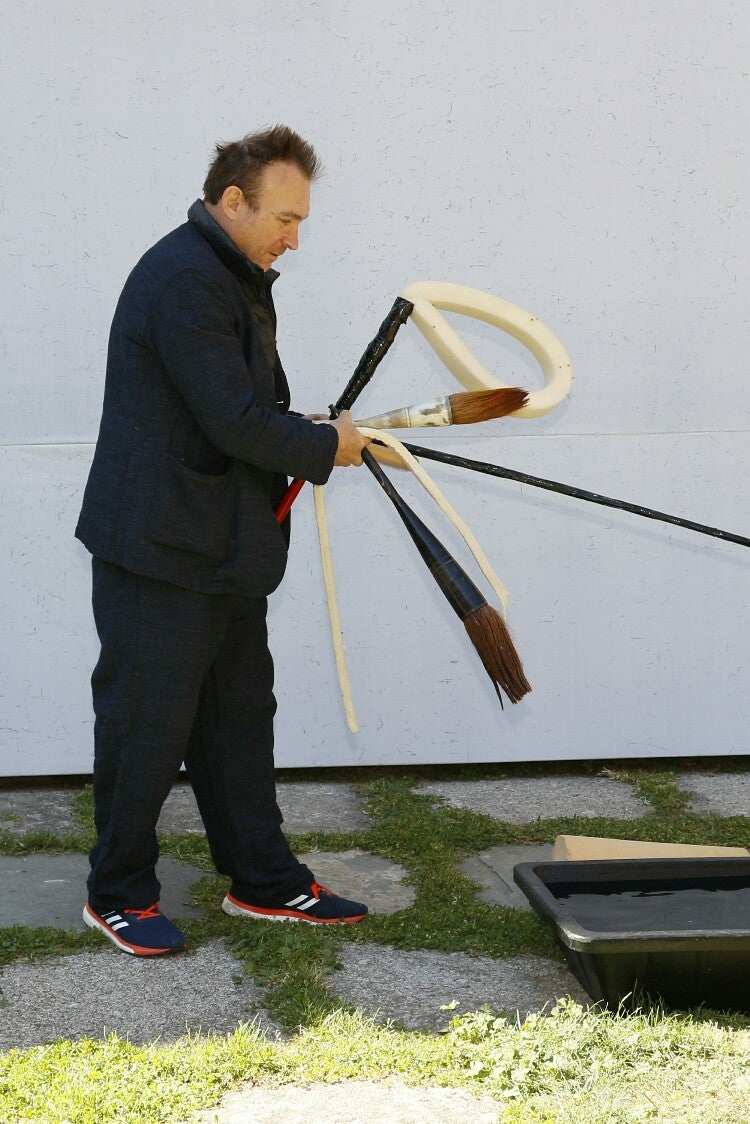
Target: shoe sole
260, 914
95, 922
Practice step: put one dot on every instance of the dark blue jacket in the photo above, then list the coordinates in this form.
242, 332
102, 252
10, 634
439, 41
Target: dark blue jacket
195, 441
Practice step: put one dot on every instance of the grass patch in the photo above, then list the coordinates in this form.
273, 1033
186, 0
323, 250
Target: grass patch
46, 842
658, 787
19, 942
83, 808
570, 1066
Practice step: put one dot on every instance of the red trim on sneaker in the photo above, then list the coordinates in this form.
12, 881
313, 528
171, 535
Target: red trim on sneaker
274, 913
94, 921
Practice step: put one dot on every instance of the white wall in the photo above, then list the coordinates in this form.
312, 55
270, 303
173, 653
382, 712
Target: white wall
581, 158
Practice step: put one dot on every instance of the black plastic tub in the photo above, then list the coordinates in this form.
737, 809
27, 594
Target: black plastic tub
674, 931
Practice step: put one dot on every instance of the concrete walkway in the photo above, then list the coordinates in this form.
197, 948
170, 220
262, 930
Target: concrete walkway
95, 993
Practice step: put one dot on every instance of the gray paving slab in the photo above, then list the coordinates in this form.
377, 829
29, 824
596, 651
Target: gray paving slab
493, 871
25, 810
410, 987
93, 994
50, 890
352, 1102
525, 799
724, 794
314, 806
179, 814
362, 877
305, 806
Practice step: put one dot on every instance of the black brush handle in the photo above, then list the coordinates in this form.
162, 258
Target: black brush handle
452, 579
363, 372
576, 493
374, 353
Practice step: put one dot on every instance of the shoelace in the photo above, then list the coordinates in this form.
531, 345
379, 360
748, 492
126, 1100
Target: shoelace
144, 914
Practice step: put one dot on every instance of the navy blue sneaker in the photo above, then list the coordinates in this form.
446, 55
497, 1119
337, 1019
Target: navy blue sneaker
316, 905
141, 932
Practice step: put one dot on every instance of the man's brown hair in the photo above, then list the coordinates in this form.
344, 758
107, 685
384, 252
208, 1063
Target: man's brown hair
241, 163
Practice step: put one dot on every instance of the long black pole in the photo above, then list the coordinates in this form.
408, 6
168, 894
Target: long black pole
569, 490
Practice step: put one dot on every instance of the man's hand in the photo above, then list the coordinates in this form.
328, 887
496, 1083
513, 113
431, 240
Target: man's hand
351, 441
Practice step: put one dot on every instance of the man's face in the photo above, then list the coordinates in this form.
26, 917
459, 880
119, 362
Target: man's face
266, 231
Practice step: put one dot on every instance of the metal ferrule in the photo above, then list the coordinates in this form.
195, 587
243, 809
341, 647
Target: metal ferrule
436, 412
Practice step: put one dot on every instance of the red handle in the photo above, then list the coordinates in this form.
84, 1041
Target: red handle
286, 501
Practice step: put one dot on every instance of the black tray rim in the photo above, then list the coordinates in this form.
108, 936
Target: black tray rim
581, 939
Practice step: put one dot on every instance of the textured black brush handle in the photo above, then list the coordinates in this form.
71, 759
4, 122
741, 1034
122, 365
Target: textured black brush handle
576, 493
453, 580
364, 371
374, 353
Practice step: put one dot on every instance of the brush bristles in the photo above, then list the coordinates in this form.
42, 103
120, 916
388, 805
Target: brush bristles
483, 405
489, 634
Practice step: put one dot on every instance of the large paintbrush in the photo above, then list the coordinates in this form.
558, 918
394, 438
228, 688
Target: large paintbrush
466, 408
487, 630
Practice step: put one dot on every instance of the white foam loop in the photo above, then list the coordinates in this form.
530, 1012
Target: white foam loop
429, 296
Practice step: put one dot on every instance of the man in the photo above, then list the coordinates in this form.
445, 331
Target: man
194, 449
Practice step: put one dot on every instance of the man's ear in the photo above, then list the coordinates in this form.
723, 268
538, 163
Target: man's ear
230, 201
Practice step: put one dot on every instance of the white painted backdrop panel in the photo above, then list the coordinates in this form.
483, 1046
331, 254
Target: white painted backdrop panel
585, 160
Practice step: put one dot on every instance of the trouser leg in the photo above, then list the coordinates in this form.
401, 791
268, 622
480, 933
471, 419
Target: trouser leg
230, 761
158, 642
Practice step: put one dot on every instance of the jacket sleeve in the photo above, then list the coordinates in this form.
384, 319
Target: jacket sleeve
194, 334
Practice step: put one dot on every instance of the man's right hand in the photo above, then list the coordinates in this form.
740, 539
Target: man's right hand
351, 441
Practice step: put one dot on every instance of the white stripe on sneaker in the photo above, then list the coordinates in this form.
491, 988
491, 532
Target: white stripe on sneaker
307, 904
296, 901
120, 925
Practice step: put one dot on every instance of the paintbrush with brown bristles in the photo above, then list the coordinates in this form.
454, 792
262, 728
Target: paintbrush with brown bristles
466, 408
486, 629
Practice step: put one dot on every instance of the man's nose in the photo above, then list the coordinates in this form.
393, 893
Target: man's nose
291, 238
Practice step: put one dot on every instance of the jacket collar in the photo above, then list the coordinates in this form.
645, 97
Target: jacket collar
231, 255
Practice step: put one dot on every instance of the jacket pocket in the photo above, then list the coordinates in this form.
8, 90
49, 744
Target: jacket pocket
192, 511
257, 560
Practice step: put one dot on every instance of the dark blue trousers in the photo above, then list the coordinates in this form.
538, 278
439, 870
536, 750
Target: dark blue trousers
183, 676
